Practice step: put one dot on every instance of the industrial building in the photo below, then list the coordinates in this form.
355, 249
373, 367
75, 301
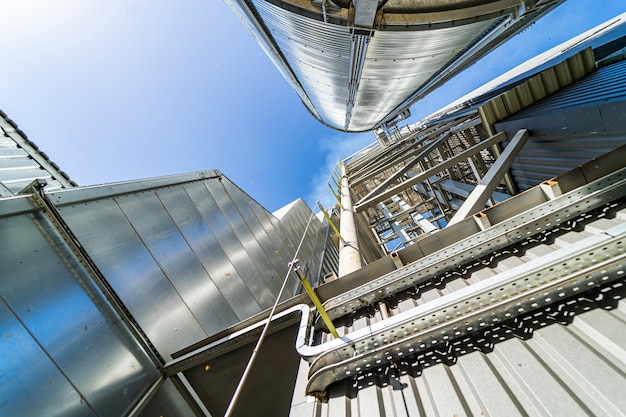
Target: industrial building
473, 263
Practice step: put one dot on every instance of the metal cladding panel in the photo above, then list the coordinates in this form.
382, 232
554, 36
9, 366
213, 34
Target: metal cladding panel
200, 249
64, 350
399, 63
233, 234
294, 222
396, 64
562, 370
56, 398
216, 256
182, 265
606, 85
582, 121
318, 53
282, 242
121, 242
262, 277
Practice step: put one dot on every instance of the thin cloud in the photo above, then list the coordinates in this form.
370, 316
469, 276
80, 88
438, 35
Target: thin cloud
335, 147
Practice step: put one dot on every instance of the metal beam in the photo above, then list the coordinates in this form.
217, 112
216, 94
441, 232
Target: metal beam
487, 185
359, 41
423, 152
365, 13
384, 195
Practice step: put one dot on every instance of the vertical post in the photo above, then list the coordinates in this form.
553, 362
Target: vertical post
475, 202
349, 252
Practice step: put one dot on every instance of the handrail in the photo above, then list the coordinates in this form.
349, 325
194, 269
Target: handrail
523, 225
518, 290
589, 263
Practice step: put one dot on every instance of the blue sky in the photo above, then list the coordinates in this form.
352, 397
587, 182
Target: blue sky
118, 90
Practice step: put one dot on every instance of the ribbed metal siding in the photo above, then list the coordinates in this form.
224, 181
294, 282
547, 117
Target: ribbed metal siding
312, 254
580, 122
574, 370
17, 166
318, 54
605, 85
396, 64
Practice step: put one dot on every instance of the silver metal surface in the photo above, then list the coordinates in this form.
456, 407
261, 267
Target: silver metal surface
478, 198
21, 162
199, 249
592, 262
180, 253
352, 81
563, 370
61, 339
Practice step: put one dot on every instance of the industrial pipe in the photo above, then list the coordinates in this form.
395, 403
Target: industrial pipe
349, 252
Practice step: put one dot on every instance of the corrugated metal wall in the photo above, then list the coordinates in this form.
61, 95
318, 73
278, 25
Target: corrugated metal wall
580, 122
561, 371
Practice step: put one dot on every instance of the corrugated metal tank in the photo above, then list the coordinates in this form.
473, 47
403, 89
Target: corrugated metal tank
359, 65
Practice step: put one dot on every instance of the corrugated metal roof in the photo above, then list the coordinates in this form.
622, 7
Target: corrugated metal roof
353, 78
21, 162
598, 38
538, 87
606, 85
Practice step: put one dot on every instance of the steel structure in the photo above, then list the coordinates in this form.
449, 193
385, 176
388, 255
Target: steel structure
491, 237
100, 285
514, 308
360, 65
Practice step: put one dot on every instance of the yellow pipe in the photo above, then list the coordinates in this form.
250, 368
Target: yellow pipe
316, 302
330, 221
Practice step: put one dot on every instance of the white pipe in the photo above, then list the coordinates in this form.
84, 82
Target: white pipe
349, 252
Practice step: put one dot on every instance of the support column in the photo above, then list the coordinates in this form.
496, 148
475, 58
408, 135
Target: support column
349, 252
477, 199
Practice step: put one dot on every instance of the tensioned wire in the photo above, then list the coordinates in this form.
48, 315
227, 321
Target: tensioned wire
244, 376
